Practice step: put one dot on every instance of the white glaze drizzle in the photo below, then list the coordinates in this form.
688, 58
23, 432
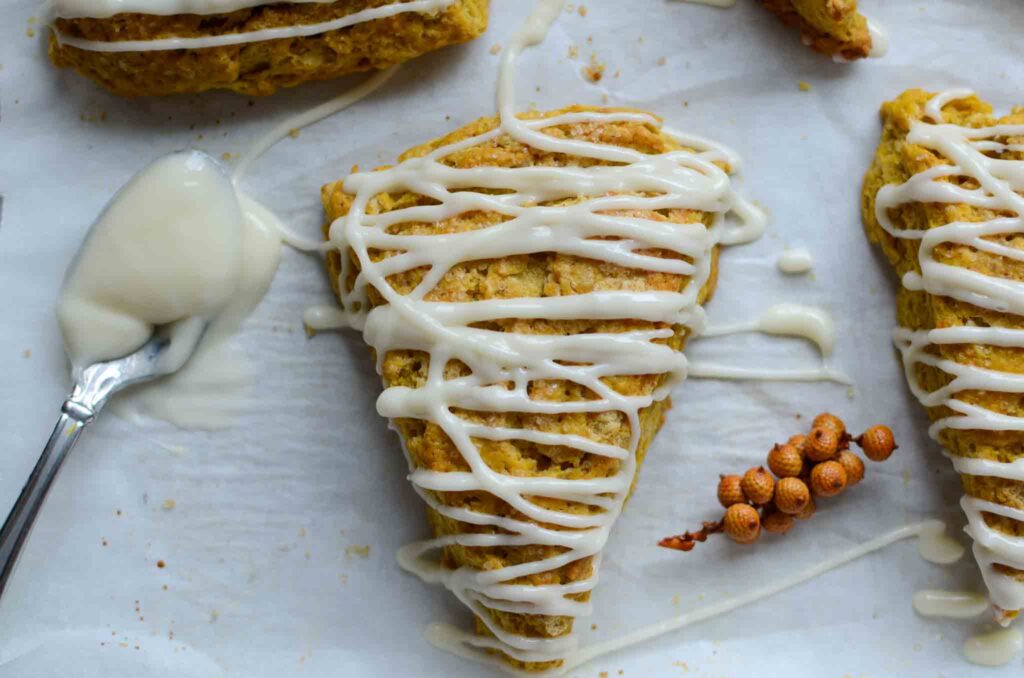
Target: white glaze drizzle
879, 40
226, 39
999, 182
469, 645
713, 3
786, 319
950, 604
940, 548
102, 9
677, 179
996, 648
796, 260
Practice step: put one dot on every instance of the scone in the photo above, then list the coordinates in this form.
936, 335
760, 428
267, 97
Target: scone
517, 292
139, 48
833, 27
943, 201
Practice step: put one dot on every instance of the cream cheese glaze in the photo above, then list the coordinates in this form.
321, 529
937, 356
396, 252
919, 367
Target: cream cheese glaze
67, 9
174, 248
999, 183
167, 248
677, 179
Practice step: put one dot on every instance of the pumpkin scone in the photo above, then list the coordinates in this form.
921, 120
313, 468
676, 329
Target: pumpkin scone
943, 200
833, 27
150, 48
526, 284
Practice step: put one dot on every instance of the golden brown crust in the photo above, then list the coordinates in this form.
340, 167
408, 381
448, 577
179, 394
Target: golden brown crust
259, 68
536, 275
895, 162
833, 27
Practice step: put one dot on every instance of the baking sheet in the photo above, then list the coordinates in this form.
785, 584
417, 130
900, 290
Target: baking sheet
278, 551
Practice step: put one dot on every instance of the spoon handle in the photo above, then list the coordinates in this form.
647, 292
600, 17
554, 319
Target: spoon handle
73, 420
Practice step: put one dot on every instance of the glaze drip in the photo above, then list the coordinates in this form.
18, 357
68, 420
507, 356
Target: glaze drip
572, 210
998, 183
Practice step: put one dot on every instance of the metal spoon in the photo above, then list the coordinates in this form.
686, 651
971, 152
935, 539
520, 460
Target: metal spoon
165, 352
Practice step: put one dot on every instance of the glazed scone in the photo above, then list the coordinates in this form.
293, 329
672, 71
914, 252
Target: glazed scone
833, 27
257, 67
955, 250
548, 276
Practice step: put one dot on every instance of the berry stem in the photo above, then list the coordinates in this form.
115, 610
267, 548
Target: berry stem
687, 540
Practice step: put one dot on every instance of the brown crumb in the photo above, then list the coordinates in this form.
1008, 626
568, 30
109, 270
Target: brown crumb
574, 51
161, 564
357, 550
595, 71
582, 10
168, 504
495, 48
27, 353
30, 33
804, 86
104, 542
293, 132
593, 627
662, 61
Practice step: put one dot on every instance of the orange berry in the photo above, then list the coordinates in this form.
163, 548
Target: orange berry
777, 522
785, 461
792, 496
831, 422
877, 442
822, 444
742, 523
797, 441
808, 510
758, 485
828, 479
854, 467
730, 492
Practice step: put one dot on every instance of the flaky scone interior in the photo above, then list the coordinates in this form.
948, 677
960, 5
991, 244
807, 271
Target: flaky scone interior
833, 27
259, 67
535, 275
942, 200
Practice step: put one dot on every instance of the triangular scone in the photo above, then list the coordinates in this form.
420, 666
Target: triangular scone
832, 27
544, 444
962, 322
255, 68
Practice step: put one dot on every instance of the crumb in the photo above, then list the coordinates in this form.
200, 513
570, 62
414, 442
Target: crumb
302, 532
595, 71
214, 616
30, 33
804, 86
603, 674
344, 579
662, 61
104, 542
118, 512
682, 665
582, 10
357, 550
675, 600
164, 587
27, 353
593, 627
495, 48
574, 51
590, 40
168, 504
617, 73
161, 564
686, 104
226, 157
293, 132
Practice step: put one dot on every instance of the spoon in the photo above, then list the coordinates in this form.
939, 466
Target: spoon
166, 351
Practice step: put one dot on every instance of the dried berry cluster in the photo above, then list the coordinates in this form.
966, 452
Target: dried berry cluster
819, 464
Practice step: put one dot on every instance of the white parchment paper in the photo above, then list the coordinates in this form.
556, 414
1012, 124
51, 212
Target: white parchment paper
278, 551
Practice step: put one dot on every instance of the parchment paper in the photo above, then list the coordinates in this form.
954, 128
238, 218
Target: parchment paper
278, 551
